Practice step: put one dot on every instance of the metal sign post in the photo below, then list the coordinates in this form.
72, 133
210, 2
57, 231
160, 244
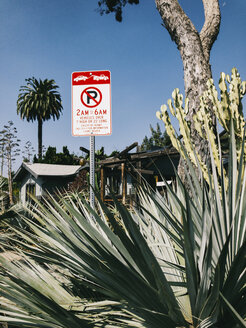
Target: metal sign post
91, 112
92, 171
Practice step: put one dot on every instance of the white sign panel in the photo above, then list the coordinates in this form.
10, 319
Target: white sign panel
91, 103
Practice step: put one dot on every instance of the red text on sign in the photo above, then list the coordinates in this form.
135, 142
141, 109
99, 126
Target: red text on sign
82, 112
100, 112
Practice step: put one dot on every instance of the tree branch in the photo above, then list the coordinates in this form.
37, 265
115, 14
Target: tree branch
175, 20
211, 25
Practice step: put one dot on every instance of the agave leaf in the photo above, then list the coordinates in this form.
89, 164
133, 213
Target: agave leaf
237, 317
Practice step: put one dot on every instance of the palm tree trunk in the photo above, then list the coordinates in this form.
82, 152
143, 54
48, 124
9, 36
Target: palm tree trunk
40, 138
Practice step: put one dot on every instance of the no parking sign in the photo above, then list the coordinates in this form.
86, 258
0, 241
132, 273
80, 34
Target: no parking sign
91, 103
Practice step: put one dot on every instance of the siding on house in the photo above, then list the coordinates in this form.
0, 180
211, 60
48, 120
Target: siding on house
39, 178
30, 179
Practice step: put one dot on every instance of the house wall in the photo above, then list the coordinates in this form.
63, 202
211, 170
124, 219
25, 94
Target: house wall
43, 184
128, 184
52, 184
29, 179
165, 166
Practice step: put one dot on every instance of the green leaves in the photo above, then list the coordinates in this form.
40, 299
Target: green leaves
176, 260
39, 101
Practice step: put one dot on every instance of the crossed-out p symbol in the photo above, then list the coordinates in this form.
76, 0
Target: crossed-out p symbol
91, 97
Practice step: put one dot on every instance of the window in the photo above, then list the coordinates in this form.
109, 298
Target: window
30, 190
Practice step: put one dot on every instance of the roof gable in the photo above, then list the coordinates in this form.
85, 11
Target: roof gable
41, 169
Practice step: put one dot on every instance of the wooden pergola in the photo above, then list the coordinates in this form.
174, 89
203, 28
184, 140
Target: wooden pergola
140, 165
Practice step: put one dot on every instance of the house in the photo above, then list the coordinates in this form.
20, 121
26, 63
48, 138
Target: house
123, 173
35, 179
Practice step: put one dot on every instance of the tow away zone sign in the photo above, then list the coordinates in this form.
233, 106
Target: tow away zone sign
91, 103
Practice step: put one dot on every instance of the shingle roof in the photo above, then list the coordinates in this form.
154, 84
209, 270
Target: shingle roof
38, 169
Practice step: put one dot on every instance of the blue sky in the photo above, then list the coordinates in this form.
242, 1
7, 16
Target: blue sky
51, 39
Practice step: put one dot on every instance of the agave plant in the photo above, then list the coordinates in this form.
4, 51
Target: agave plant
208, 250
175, 261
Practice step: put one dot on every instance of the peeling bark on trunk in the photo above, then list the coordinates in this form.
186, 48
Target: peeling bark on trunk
40, 138
195, 50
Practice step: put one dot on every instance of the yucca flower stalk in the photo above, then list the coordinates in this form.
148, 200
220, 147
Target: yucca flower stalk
227, 109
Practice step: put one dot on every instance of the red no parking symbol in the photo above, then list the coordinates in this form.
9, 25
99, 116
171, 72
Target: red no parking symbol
91, 97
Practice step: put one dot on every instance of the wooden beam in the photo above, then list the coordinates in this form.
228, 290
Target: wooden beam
123, 182
134, 169
169, 153
143, 171
112, 161
85, 150
125, 151
113, 166
151, 162
154, 154
127, 169
139, 177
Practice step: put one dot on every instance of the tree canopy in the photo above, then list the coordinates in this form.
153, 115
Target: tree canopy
114, 6
52, 157
39, 101
157, 139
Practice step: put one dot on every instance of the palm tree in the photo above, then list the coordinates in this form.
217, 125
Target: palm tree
39, 100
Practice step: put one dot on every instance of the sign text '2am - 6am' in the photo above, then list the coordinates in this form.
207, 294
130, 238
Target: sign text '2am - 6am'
91, 103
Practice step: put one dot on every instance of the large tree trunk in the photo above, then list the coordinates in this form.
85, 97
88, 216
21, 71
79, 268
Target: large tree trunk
195, 50
40, 138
